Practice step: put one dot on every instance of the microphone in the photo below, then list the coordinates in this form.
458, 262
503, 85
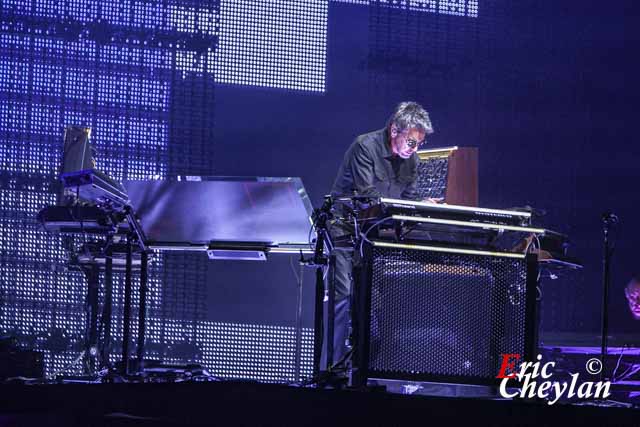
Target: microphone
610, 218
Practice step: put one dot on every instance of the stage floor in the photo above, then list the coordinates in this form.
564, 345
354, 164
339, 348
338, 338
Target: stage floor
250, 403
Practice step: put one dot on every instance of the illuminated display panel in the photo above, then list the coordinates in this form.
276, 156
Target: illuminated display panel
277, 44
467, 8
124, 92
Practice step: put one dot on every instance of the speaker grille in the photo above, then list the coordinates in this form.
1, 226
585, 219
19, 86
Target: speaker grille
442, 314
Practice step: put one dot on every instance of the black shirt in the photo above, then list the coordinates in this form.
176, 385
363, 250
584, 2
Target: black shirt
370, 168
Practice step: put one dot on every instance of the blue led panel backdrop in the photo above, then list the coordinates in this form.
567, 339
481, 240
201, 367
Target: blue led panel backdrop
273, 43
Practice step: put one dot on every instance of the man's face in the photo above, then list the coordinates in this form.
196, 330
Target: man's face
407, 142
632, 292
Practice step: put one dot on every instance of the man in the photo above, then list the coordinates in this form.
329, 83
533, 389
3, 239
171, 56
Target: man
632, 292
382, 163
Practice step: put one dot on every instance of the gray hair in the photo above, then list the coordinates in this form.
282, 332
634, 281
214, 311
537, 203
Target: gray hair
409, 115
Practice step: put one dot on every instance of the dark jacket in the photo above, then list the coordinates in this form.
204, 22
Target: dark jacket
370, 168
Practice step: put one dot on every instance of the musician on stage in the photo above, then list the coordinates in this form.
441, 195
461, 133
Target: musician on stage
632, 292
382, 163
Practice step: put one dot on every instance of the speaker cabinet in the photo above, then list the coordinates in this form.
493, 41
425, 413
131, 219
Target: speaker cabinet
438, 314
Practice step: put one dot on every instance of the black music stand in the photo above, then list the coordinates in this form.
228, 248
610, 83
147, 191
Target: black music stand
136, 236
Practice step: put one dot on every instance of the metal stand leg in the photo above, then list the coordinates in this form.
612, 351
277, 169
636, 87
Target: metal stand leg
106, 313
361, 319
331, 311
144, 258
320, 222
318, 315
93, 277
609, 220
126, 317
298, 353
532, 312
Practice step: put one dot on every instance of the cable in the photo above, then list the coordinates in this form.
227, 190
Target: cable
344, 359
366, 233
632, 370
535, 244
613, 375
355, 227
293, 268
409, 229
77, 216
71, 365
313, 226
327, 240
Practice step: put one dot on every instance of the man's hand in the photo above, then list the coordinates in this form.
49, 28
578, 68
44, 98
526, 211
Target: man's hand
433, 199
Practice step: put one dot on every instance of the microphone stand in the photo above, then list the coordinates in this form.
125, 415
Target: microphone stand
320, 217
608, 221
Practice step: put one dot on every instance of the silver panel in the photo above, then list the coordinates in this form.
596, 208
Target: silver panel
250, 212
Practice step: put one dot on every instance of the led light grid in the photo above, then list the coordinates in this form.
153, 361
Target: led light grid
262, 352
467, 8
64, 63
141, 74
273, 43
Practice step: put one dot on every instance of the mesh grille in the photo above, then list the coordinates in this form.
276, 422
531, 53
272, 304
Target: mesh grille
444, 314
432, 177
